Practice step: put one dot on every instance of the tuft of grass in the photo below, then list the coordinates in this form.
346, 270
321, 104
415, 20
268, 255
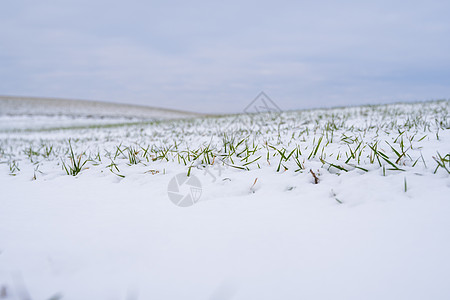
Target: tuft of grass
76, 163
13, 168
442, 161
113, 166
133, 156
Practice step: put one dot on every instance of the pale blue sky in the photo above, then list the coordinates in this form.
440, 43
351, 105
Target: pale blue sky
216, 56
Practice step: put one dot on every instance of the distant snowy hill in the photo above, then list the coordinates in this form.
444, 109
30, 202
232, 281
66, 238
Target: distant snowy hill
28, 113
15, 106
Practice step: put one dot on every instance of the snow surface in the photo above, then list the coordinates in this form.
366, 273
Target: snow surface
256, 234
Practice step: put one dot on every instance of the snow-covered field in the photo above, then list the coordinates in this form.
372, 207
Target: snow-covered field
344, 203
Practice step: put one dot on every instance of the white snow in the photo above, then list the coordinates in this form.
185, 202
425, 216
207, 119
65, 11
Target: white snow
256, 234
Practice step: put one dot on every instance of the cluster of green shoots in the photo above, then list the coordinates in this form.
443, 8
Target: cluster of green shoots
389, 138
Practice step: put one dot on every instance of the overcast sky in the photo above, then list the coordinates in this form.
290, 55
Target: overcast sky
216, 56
